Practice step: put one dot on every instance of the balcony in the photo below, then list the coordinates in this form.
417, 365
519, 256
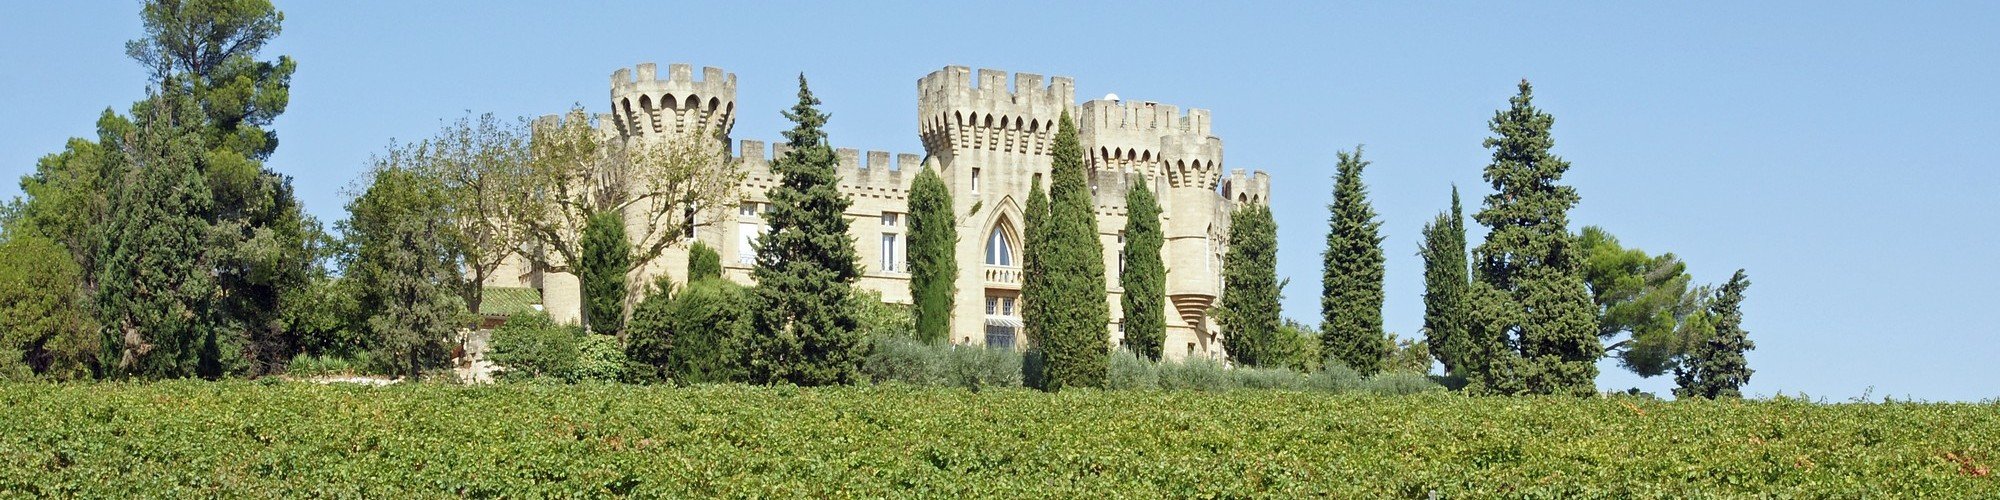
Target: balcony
1003, 277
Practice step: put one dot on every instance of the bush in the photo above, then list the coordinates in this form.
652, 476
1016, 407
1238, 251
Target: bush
877, 319
1129, 371
531, 345
1195, 374
1335, 378
1399, 383
698, 336
908, 361
599, 358
1269, 378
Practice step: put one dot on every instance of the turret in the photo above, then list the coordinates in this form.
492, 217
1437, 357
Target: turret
957, 113
645, 105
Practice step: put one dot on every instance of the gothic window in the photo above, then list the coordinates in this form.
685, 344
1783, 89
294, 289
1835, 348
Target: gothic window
999, 249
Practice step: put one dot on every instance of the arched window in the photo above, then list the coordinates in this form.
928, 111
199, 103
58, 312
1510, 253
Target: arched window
999, 249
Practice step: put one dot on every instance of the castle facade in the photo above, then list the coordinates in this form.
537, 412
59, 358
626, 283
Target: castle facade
989, 142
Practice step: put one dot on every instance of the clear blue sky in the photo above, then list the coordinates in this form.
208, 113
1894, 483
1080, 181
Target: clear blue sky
1843, 153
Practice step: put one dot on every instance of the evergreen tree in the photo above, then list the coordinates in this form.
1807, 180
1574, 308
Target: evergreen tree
933, 256
155, 291
1351, 303
601, 271
405, 269
1035, 298
1251, 291
1076, 316
1447, 306
806, 265
1531, 257
1144, 277
1716, 369
703, 262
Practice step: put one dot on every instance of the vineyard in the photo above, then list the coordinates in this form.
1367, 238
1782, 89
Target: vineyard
237, 439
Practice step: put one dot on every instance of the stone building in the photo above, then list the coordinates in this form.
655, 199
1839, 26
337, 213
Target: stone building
989, 142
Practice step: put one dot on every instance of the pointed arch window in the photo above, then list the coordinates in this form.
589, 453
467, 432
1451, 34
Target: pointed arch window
999, 247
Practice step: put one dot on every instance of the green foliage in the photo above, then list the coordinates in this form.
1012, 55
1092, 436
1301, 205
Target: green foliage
1145, 276
1646, 297
599, 358
1195, 374
1250, 290
155, 293
1297, 346
309, 365
807, 333
1351, 300
1716, 369
531, 345
703, 262
1036, 298
1074, 321
874, 318
1398, 383
1447, 301
1131, 371
405, 272
46, 326
933, 256
1335, 378
1407, 355
295, 439
904, 360
696, 335
601, 271
1533, 262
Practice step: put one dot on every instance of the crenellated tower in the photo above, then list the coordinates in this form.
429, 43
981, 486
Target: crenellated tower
644, 105
1179, 159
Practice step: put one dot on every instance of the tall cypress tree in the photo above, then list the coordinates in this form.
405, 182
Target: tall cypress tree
1351, 303
601, 270
1716, 369
1145, 275
1035, 296
1447, 306
1250, 289
806, 265
155, 291
933, 256
1531, 257
1076, 316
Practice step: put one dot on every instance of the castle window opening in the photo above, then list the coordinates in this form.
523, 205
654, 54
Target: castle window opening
892, 219
890, 256
747, 209
975, 180
999, 249
746, 241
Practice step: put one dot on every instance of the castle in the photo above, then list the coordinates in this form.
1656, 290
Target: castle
989, 143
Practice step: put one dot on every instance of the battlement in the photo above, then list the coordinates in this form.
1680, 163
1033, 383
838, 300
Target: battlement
958, 111
1144, 116
1252, 188
645, 104
877, 172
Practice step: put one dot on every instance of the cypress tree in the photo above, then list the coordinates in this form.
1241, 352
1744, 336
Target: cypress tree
703, 262
933, 256
1144, 278
1250, 293
1075, 316
1716, 369
1447, 306
601, 271
1034, 286
155, 291
806, 265
1351, 303
1531, 257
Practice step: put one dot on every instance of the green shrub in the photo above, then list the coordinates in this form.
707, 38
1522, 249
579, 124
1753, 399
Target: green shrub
1129, 371
877, 319
599, 359
1335, 378
531, 345
1269, 378
1400, 383
704, 333
1195, 374
976, 367
905, 360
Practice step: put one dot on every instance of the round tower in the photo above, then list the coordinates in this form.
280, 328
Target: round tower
1181, 161
645, 105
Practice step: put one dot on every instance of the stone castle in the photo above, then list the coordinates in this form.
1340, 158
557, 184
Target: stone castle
989, 142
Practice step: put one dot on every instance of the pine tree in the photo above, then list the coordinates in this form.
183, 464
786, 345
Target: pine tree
703, 262
1251, 291
1075, 317
1351, 303
1447, 306
1716, 369
1531, 257
933, 256
806, 265
155, 292
1144, 277
601, 271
